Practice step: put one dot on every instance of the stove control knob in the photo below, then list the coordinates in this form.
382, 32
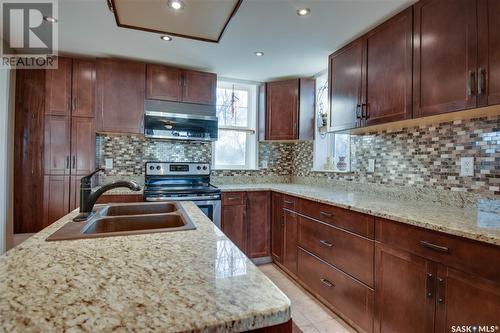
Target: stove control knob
205, 167
198, 167
158, 167
151, 167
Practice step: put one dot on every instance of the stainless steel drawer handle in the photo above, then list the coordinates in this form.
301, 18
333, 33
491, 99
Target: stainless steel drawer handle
233, 198
325, 214
326, 243
327, 283
434, 247
288, 202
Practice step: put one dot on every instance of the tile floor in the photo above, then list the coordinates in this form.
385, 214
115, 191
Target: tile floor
307, 313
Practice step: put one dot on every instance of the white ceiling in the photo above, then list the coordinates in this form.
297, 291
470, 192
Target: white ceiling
293, 45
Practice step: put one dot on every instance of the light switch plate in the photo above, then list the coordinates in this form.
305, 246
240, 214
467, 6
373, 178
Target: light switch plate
466, 166
109, 163
371, 165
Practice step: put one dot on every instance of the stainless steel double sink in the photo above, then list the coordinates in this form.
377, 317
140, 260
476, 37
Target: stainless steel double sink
127, 219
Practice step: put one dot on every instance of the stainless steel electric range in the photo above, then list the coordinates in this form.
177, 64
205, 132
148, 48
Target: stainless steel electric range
167, 181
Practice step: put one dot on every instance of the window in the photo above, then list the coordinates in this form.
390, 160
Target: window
332, 152
236, 147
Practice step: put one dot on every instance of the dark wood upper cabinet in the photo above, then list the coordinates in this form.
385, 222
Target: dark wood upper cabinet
84, 92
259, 224
445, 56
58, 88
57, 145
289, 110
199, 87
179, 85
345, 86
82, 146
404, 290
164, 83
488, 88
277, 227
387, 81
120, 96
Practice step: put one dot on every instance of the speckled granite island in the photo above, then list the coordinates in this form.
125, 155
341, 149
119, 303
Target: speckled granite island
186, 281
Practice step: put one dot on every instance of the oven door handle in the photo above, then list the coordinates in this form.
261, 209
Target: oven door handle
194, 198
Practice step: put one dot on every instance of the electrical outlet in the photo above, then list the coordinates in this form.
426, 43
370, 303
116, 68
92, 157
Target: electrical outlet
108, 163
371, 165
466, 166
264, 164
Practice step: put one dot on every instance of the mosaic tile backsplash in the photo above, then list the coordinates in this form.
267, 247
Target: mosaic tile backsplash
424, 157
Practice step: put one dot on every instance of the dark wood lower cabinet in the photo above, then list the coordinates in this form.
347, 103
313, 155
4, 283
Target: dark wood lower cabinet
56, 198
290, 242
464, 300
404, 292
258, 224
277, 227
233, 220
120, 198
348, 296
246, 220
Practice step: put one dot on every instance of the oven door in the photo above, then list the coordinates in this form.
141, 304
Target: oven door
209, 205
211, 208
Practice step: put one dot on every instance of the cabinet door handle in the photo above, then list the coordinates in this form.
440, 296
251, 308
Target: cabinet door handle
233, 198
434, 247
288, 202
326, 243
471, 77
429, 285
325, 214
358, 111
327, 283
74, 103
481, 81
67, 162
440, 290
364, 111
74, 162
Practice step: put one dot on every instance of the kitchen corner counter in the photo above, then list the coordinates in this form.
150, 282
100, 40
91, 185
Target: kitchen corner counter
479, 222
195, 280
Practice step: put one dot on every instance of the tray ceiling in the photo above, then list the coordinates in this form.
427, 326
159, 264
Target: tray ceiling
201, 20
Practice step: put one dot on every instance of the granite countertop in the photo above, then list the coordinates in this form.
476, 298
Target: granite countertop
478, 222
195, 280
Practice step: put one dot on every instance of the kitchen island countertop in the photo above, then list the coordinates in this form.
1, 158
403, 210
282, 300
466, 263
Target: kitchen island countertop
185, 281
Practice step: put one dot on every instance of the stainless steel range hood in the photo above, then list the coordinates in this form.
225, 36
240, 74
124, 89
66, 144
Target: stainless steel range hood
180, 121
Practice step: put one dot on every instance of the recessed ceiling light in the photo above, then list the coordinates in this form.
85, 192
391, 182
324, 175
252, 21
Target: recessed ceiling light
176, 4
259, 54
166, 38
303, 11
50, 19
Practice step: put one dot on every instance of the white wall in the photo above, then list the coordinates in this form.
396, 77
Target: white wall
4, 139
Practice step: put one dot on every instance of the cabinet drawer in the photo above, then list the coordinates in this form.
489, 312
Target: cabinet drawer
351, 253
290, 202
234, 198
358, 223
463, 254
348, 296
